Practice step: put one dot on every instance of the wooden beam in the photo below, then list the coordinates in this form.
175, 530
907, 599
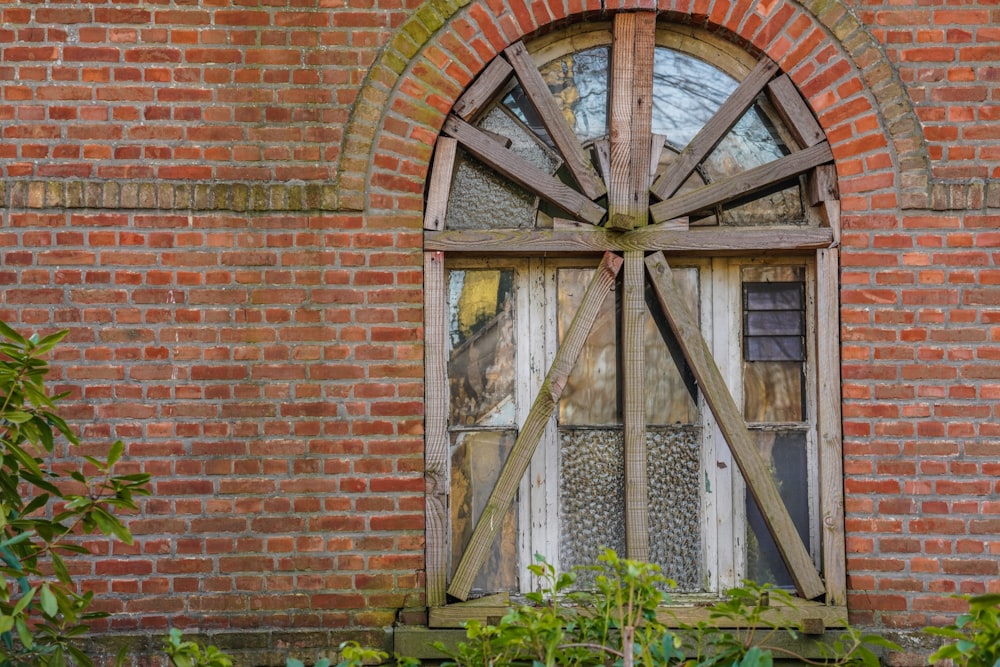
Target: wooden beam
531, 431
821, 185
602, 155
794, 113
831, 466
522, 172
742, 184
634, 417
655, 153
562, 135
436, 468
436, 208
631, 118
487, 87
727, 415
714, 130
712, 240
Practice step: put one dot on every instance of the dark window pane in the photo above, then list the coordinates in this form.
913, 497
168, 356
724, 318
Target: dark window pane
774, 323
774, 348
773, 296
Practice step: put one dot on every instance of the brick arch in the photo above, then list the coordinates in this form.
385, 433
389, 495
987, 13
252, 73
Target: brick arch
840, 69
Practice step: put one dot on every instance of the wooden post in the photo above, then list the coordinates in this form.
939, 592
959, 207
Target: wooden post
436, 468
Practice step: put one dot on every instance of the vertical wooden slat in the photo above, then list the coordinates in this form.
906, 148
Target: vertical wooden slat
537, 92
531, 431
793, 112
630, 122
436, 469
727, 416
436, 207
831, 469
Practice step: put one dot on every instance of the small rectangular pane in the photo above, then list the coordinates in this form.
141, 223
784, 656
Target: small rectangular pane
773, 296
482, 352
476, 461
670, 388
773, 391
774, 348
591, 495
774, 323
674, 474
785, 451
591, 394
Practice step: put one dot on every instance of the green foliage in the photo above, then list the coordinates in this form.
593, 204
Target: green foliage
975, 634
616, 625
42, 506
187, 653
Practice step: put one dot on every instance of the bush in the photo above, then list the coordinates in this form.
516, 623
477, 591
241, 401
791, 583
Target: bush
43, 506
976, 634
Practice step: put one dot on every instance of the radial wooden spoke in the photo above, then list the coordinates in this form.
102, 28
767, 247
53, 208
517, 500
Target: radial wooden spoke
522, 172
793, 112
562, 135
711, 240
714, 130
484, 91
742, 184
530, 433
727, 415
630, 119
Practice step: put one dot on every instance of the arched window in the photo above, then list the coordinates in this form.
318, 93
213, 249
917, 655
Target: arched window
631, 318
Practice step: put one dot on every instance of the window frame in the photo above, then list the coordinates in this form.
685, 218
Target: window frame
825, 342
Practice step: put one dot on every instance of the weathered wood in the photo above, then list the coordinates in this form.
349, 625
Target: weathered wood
831, 490
634, 417
742, 184
602, 154
436, 479
531, 431
655, 153
727, 415
714, 130
829, 214
793, 112
673, 615
715, 240
522, 172
821, 185
436, 208
558, 128
487, 87
630, 119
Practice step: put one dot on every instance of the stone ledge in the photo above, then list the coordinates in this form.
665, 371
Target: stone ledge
169, 196
260, 648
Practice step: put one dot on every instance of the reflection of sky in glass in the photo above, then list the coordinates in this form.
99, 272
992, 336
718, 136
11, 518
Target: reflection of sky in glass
687, 92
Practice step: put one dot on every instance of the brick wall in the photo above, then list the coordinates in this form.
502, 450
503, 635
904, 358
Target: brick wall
222, 202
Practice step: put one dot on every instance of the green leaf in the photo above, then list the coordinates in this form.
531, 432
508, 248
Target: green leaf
24, 601
9, 333
17, 416
48, 600
50, 341
116, 452
23, 633
294, 662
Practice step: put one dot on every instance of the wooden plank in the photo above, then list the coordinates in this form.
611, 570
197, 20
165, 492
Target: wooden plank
630, 119
673, 615
602, 154
732, 240
655, 153
831, 492
793, 112
436, 208
522, 172
714, 130
821, 185
633, 388
531, 431
436, 467
487, 87
727, 415
562, 135
742, 184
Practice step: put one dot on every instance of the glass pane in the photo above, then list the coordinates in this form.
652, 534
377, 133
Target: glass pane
591, 393
674, 469
751, 143
686, 93
522, 141
481, 355
476, 461
786, 453
591, 495
669, 384
773, 391
579, 83
781, 207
